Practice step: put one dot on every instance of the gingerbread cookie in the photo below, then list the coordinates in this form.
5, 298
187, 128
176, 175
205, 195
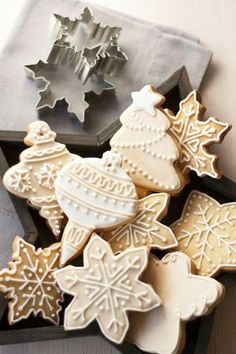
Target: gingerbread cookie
29, 284
184, 295
33, 178
144, 229
95, 194
195, 136
105, 288
149, 153
206, 232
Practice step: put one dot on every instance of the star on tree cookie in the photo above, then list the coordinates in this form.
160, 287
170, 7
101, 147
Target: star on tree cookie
29, 284
195, 136
144, 229
206, 232
185, 296
105, 288
149, 153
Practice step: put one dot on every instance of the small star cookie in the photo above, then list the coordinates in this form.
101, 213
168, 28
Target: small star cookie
28, 283
144, 229
206, 232
184, 295
105, 288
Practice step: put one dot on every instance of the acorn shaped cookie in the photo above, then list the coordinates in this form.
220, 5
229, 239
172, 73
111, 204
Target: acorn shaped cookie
33, 178
95, 194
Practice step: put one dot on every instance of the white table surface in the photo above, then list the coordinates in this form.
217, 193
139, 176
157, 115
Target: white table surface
213, 21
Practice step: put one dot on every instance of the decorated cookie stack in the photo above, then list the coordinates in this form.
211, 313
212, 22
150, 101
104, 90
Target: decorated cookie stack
123, 197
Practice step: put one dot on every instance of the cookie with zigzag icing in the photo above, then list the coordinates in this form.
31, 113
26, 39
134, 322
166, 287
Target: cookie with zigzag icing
149, 152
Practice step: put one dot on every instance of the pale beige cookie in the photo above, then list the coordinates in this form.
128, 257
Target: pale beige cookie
105, 288
185, 296
206, 232
95, 194
33, 178
149, 153
144, 229
195, 136
28, 283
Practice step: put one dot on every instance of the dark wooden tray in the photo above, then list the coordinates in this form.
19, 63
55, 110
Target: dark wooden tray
31, 330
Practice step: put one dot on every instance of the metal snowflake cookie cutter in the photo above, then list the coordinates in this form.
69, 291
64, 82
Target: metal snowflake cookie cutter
66, 65
85, 31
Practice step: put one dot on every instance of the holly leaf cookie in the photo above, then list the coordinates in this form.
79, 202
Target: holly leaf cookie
28, 282
33, 178
184, 295
144, 229
105, 288
195, 136
206, 232
149, 154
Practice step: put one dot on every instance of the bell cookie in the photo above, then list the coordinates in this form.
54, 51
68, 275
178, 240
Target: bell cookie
144, 229
95, 194
206, 232
105, 288
33, 178
149, 153
28, 282
184, 295
195, 137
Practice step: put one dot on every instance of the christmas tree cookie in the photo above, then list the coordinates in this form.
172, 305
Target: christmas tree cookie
33, 178
95, 194
185, 296
149, 153
105, 288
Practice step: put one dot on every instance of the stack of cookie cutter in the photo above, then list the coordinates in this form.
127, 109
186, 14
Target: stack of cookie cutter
100, 55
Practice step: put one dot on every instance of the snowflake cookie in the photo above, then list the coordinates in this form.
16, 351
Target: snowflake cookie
206, 232
105, 288
149, 154
29, 284
33, 178
184, 295
95, 194
144, 229
195, 136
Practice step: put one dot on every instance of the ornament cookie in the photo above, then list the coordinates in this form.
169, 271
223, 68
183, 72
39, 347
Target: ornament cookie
105, 288
149, 154
206, 232
144, 229
95, 194
33, 178
29, 284
185, 296
195, 136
